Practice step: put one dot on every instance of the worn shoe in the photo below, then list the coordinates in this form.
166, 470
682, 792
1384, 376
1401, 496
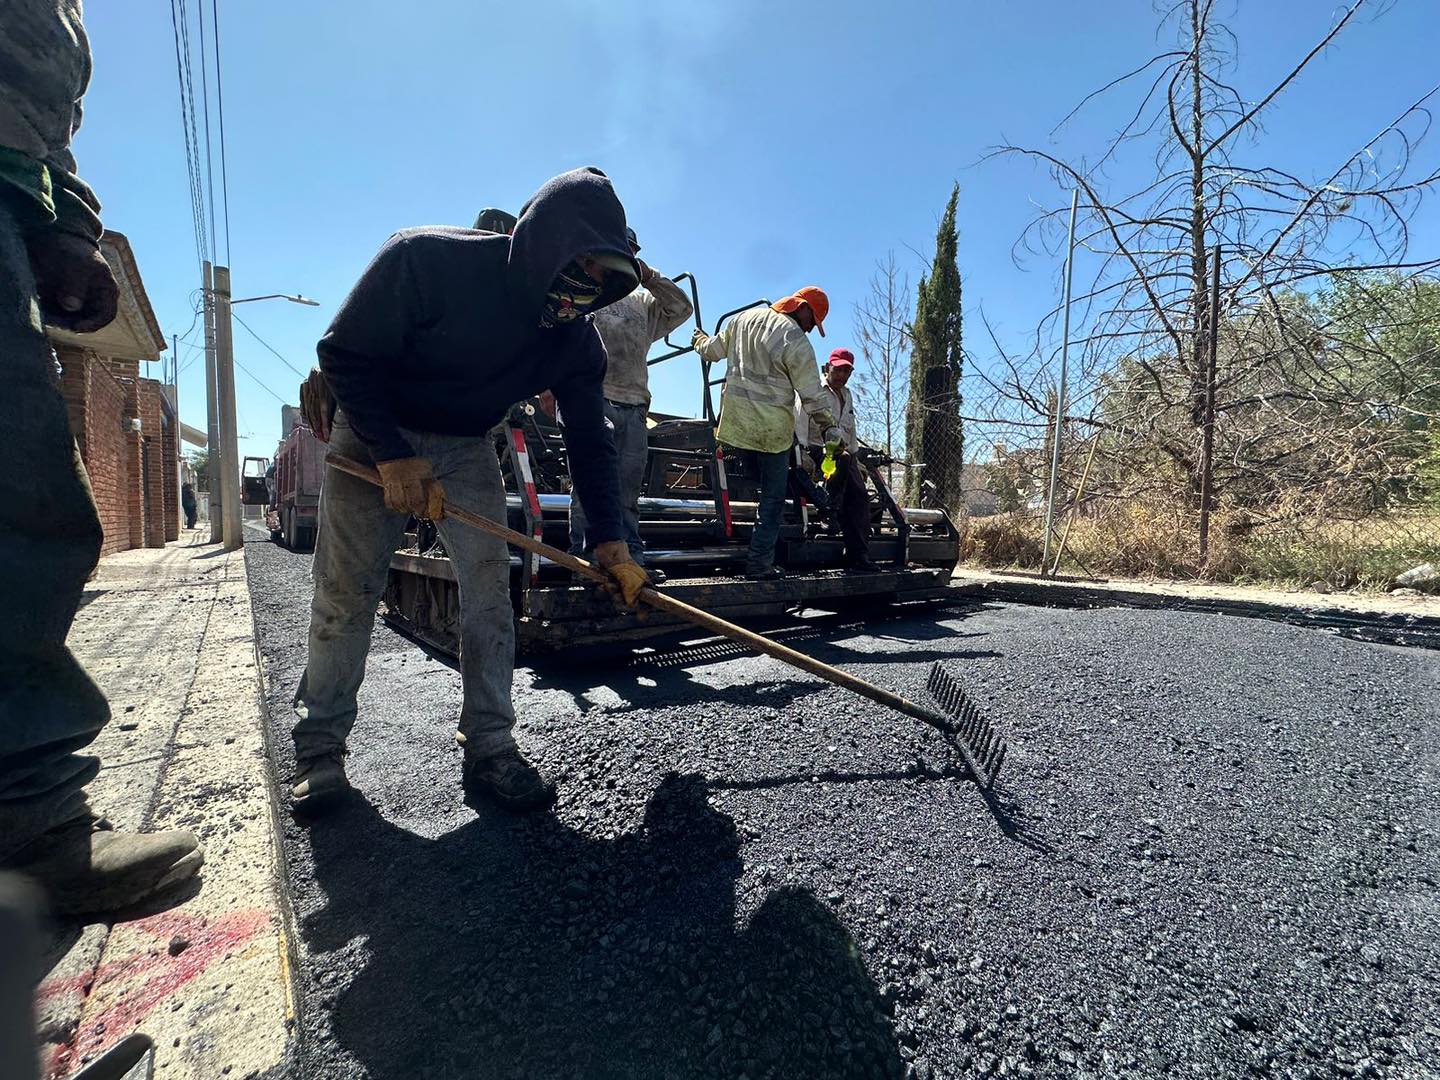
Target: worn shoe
862, 566
773, 573
656, 575
507, 780
87, 868
319, 780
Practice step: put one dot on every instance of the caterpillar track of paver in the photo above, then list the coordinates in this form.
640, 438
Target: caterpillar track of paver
697, 511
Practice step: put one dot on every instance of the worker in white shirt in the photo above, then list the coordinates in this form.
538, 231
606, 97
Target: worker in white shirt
849, 500
628, 328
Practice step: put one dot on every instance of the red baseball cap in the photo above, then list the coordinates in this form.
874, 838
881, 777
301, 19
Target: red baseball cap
842, 358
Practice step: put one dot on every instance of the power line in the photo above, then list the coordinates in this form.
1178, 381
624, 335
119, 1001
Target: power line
196, 351
220, 104
260, 384
205, 100
193, 123
191, 172
196, 313
257, 337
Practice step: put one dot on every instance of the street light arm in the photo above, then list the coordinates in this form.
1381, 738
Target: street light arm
296, 299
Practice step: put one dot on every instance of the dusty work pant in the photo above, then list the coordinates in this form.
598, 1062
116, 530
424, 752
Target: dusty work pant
357, 536
850, 502
773, 473
632, 447
49, 543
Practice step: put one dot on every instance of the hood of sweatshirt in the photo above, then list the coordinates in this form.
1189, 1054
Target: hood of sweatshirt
575, 213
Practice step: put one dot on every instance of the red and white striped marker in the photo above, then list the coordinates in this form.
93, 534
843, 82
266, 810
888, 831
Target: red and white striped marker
724, 493
531, 496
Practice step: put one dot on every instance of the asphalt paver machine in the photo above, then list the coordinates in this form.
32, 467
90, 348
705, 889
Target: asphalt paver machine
697, 511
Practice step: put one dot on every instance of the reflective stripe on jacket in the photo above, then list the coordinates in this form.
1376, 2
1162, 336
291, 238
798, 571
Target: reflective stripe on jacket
768, 362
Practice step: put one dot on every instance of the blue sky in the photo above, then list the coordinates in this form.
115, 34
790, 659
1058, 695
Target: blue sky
759, 146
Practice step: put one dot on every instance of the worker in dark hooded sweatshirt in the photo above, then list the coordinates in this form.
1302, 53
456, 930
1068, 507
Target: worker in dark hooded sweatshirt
445, 329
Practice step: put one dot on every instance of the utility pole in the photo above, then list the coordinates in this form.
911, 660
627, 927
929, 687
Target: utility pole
225, 406
212, 435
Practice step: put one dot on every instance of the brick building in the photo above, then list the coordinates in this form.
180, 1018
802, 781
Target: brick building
125, 425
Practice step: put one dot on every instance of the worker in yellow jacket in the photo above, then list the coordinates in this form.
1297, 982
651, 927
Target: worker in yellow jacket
769, 362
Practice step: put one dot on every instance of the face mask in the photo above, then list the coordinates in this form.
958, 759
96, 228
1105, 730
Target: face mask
572, 294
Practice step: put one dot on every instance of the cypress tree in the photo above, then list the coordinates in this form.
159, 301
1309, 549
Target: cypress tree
933, 432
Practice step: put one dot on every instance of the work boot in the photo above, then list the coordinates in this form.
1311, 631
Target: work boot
862, 566
771, 573
656, 575
507, 780
87, 868
319, 780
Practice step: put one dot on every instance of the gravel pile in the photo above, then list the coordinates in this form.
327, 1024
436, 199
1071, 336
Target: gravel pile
1214, 854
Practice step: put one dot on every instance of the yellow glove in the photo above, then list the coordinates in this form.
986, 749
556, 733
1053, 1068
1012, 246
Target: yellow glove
411, 487
628, 576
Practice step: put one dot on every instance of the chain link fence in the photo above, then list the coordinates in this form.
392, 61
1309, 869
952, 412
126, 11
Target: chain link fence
1354, 513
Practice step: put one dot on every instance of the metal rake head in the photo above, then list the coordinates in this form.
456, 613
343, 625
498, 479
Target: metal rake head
975, 738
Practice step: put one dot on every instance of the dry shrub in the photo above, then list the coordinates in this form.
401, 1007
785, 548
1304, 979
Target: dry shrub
1003, 540
1368, 553
1159, 537
1153, 537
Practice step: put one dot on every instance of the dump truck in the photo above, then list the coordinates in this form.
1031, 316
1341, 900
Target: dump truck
697, 510
289, 485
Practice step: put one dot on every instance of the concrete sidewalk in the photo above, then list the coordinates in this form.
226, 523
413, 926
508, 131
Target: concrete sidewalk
168, 635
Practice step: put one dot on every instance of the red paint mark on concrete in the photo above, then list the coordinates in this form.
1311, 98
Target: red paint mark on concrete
150, 976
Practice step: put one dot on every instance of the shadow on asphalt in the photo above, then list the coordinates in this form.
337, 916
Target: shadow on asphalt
1009, 814
519, 947
659, 677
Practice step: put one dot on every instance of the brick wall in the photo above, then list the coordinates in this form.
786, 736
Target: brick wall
154, 468
170, 455
134, 463
96, 402
74, 386
106, 434
103, 396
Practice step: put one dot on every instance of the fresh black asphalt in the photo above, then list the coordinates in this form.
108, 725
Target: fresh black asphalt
1213, 855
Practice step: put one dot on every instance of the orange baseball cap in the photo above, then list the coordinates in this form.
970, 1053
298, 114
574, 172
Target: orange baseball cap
812, 295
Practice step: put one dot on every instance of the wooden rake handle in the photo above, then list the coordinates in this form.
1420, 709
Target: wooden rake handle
661, 602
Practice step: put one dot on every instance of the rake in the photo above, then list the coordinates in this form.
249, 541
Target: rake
964, 728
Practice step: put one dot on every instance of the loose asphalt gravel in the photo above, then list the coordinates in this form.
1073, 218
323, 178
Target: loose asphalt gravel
1215, 855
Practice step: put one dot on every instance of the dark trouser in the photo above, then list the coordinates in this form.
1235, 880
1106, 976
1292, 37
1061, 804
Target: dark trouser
49, 544
190, 517
850, 503
772, 471
357, 536
632, 448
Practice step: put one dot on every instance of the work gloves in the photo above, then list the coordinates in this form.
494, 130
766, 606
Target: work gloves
698, 339
317, 404
628, 576
411, 488
76, 288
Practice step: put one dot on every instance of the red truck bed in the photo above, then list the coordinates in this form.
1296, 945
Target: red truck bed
299, 471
